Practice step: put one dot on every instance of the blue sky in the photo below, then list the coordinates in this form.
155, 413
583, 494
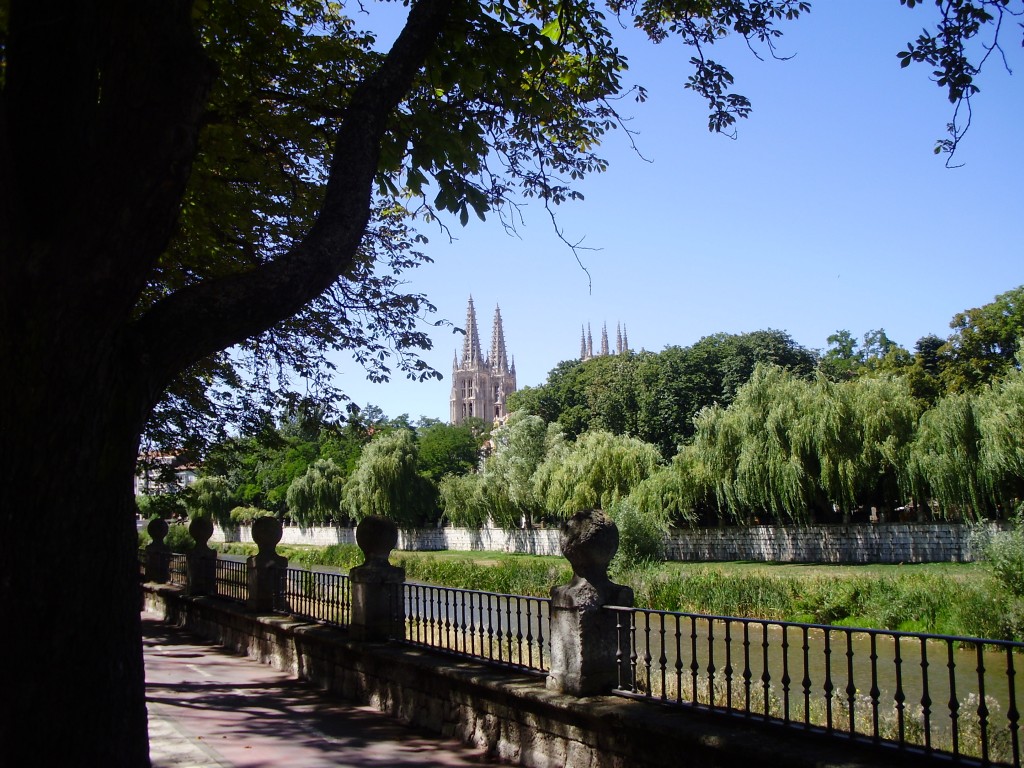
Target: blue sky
828, 211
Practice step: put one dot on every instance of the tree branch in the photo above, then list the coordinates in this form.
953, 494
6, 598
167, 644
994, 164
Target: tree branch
204, 318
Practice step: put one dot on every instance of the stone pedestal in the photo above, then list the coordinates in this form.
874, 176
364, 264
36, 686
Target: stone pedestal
378, 602
158, 554
586, 647
201, 562
266, 568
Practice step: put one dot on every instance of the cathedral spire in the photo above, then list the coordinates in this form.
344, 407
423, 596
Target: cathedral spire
471, 344
499, 356
604, 339
618, 339
583, 343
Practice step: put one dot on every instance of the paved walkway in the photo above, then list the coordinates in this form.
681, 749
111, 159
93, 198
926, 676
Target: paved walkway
211, 708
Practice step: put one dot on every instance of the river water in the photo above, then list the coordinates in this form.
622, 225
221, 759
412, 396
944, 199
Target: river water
936, 692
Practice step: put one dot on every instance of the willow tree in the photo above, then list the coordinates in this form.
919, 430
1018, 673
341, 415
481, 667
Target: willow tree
968, 456
315, 497
464, 500
504, 491
759, 452
180, 177
884, 425
210, 497
1000, 415
944, 459
597, 470
386, 482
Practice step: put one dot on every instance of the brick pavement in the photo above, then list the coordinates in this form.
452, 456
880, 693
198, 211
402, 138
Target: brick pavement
209, 708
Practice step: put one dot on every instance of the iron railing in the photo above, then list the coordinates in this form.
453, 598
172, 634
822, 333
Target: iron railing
316, 595
509, 630
231, 580
953, 697
936, 694
177, 569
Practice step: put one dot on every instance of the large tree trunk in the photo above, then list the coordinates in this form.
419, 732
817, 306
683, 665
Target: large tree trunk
73, 677
99, 117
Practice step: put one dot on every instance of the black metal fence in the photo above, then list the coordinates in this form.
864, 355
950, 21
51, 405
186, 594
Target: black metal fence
231, 580
503, 629
177, 569
954, 696
316, 595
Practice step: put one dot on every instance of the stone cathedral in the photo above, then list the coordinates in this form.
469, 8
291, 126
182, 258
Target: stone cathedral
481, 384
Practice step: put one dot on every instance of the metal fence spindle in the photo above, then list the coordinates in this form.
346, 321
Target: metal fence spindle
954, 703
874, 692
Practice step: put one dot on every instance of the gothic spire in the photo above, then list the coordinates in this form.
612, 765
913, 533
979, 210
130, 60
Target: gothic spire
618, 339
604, 339
471, 344
625, 339
583, 343
499, 356
590, 343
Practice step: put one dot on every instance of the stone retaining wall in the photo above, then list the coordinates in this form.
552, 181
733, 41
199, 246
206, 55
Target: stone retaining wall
510, 715
881, 543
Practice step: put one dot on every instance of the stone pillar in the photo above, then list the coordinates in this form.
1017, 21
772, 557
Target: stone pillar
266, 568
158, 554
378, 600
201, 562
585, 645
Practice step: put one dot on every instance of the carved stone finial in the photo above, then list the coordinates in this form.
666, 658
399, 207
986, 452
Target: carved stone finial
589, 540
376, 536
267, 532
157, 530
201, 529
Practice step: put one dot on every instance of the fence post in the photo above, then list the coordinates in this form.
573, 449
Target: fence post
158, 554
378, 602
585, 643
201, 562
265, 569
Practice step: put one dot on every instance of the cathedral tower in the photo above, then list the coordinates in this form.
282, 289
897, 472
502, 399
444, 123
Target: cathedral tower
481, 385
587, 342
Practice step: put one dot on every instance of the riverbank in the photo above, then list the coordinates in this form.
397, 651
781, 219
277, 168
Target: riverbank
942, 598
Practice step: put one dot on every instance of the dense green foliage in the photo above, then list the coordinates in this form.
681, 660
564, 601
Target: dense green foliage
654, 396
816, 439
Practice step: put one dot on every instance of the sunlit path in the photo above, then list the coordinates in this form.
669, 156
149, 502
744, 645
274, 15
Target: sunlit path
210, 708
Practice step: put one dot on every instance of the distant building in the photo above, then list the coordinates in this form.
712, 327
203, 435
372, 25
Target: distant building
480, 385
587, 342
158, 473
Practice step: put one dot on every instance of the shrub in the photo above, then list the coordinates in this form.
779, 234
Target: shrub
178, 538
245, 515
641, 536
170, 506
1004, 552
